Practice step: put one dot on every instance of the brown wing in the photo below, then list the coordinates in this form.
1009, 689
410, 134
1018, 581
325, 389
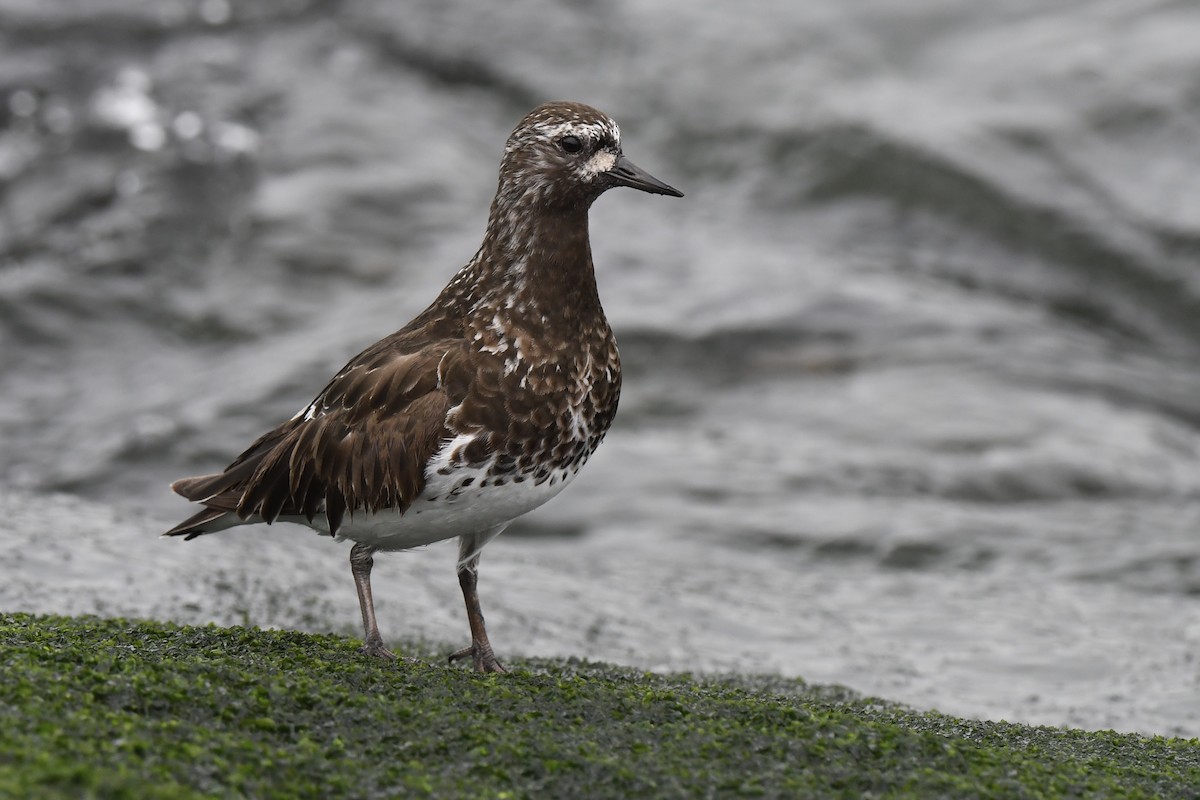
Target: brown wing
362, 444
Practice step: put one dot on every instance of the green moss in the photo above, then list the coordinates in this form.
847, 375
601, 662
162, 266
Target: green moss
113, 708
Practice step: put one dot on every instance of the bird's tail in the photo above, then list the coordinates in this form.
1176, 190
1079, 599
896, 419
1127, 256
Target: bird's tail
208, 520
213, 517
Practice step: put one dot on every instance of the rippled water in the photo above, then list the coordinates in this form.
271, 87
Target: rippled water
911, 400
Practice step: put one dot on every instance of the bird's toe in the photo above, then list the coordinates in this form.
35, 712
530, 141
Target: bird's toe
481, 655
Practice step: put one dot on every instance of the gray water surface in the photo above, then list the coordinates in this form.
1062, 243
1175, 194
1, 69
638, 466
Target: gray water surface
910, 402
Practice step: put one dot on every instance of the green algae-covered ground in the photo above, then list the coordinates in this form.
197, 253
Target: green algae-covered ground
114, 708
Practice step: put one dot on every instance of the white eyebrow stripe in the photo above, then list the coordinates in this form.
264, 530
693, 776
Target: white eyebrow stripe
595, 131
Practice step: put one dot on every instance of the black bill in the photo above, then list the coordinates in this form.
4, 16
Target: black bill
626, 173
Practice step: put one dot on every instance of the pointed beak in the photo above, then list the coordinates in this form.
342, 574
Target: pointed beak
626, 173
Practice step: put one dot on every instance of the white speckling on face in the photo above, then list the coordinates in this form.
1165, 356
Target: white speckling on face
601, 162
591, 130
533, 154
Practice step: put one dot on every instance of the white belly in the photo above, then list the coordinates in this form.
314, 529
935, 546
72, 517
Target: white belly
451, 505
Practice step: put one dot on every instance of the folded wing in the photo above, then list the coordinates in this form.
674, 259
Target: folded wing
361, 445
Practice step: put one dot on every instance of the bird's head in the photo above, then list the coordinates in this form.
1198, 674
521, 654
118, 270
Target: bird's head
566, 155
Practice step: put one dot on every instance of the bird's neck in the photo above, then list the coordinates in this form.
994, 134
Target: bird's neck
535, 269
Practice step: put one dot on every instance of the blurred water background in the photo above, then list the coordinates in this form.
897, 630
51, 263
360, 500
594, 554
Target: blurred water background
912, 399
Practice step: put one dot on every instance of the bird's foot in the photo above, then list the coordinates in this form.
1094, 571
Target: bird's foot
374, 647
482, 656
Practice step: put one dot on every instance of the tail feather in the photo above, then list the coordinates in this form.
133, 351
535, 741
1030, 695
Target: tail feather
202, 487
221, 492
201, 523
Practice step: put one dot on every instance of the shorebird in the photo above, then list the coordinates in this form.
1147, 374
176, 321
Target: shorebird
477, 411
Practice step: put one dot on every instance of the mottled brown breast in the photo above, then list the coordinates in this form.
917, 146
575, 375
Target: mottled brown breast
542, 399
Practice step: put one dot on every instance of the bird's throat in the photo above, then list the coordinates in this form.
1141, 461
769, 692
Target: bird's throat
541, 268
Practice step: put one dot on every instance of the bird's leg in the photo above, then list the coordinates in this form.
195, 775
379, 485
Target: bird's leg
361, 561
480, 650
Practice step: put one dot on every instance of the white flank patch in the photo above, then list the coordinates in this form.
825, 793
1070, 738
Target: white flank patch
457, 504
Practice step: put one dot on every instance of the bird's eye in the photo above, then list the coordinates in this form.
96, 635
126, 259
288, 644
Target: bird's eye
570, 144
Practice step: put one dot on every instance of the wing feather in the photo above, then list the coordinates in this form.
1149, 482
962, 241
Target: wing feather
362, 445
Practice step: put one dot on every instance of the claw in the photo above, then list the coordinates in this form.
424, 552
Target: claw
376, 649
482, 656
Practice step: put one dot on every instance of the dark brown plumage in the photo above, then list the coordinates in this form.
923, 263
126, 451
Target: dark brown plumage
478, 410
